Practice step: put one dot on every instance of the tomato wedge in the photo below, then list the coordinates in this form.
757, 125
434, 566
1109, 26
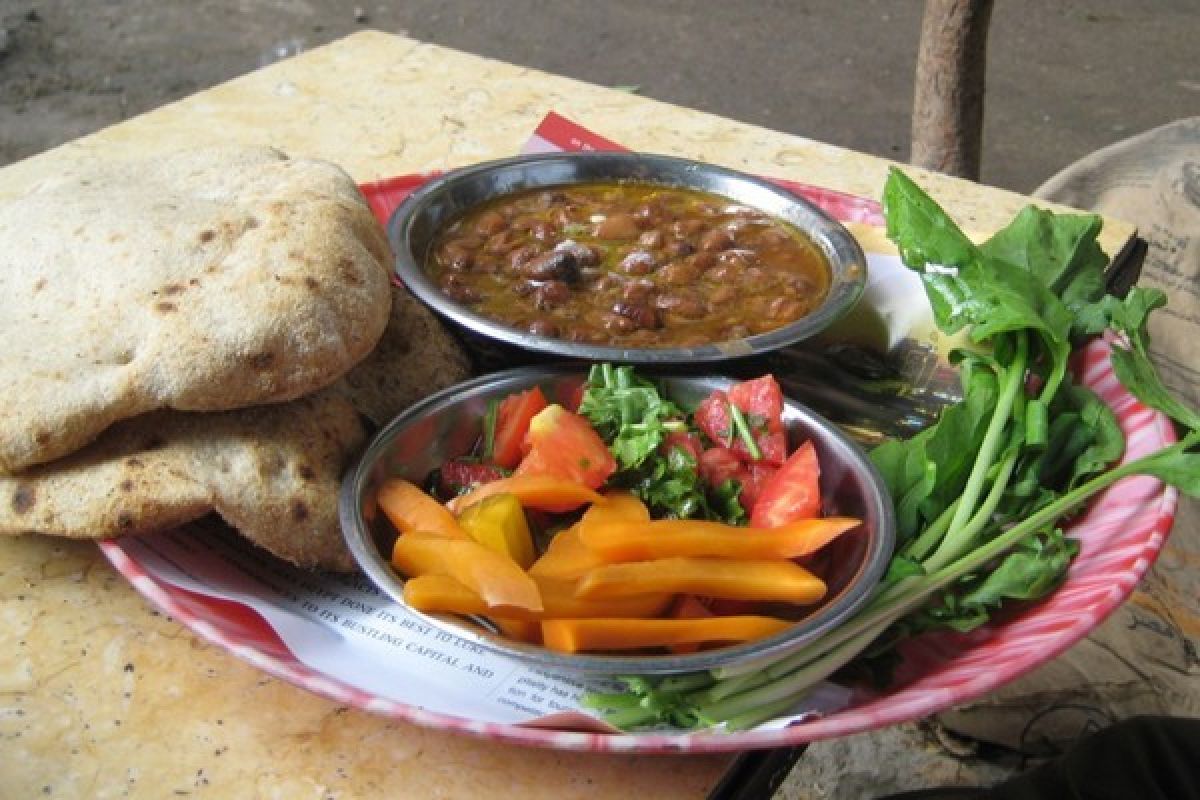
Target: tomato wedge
712, 416
761, 403
512, 423
761, 400
753, 478
792, 493
562, 444
718, 464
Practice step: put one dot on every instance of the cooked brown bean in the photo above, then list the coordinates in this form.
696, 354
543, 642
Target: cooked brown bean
678, 248
687, 227
721, 295
551, 294
724, 273
557, 264
618, 323
679, 273
543, 327
716, 240
499, 244
639, 291
651, 239
617, 226
685, 304
784, 308
457, 256
490, 223
458, 291
643, 315
702, 261
588, 255
523, 254
638, 262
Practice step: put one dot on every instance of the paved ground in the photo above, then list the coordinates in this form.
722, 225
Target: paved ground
1065, 78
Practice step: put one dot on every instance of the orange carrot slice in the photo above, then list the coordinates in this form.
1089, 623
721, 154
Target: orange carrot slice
768, 581
577, 635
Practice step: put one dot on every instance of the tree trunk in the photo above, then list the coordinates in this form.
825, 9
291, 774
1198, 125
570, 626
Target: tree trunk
947, 121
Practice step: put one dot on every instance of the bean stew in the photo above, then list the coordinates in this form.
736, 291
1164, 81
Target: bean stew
629, 265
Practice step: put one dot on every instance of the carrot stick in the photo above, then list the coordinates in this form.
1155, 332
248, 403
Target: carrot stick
770, 581
494, 577
534, 491
575, 635
410, 509
667, 538
434, 593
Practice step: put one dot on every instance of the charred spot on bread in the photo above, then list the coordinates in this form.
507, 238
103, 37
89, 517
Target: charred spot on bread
262, 360
23, 499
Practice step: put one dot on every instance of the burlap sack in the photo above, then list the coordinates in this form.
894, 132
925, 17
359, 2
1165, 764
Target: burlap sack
1143, 659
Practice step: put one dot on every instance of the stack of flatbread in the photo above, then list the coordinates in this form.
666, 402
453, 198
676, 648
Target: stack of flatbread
213, 331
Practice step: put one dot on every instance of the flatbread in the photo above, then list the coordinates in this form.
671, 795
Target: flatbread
203, 281
271, 472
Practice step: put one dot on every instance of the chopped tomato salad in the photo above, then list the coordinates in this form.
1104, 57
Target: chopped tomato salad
625, 524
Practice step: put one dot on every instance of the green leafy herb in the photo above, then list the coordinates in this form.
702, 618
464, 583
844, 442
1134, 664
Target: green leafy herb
631, 415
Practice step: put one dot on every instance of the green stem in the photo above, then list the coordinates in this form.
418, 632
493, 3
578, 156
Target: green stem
979, 520
911, 593
920, 547
742, 429
792, 683
958, 537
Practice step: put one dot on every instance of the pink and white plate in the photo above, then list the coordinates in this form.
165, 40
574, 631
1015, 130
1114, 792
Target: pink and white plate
1120, 536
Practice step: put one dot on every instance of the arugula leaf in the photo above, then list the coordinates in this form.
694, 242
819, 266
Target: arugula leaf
671, 487
628, 412
633, 418
1132, 364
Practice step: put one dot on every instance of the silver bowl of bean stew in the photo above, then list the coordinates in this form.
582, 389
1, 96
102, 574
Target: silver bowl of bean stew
625, 257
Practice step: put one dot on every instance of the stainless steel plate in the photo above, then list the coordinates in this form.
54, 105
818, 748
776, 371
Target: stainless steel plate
447, 424
414, 225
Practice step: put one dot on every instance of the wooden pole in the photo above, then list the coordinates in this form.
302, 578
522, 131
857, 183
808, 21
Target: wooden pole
947, 120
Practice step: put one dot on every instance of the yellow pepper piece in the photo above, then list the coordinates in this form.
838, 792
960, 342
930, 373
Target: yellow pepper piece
498, 522
668, 538
768, 581
575, 635
494, 577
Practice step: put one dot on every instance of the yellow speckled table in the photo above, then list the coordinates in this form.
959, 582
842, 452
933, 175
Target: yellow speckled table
101, 696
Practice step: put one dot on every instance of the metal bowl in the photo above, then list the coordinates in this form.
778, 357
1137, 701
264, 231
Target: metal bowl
415, 224
448, 424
